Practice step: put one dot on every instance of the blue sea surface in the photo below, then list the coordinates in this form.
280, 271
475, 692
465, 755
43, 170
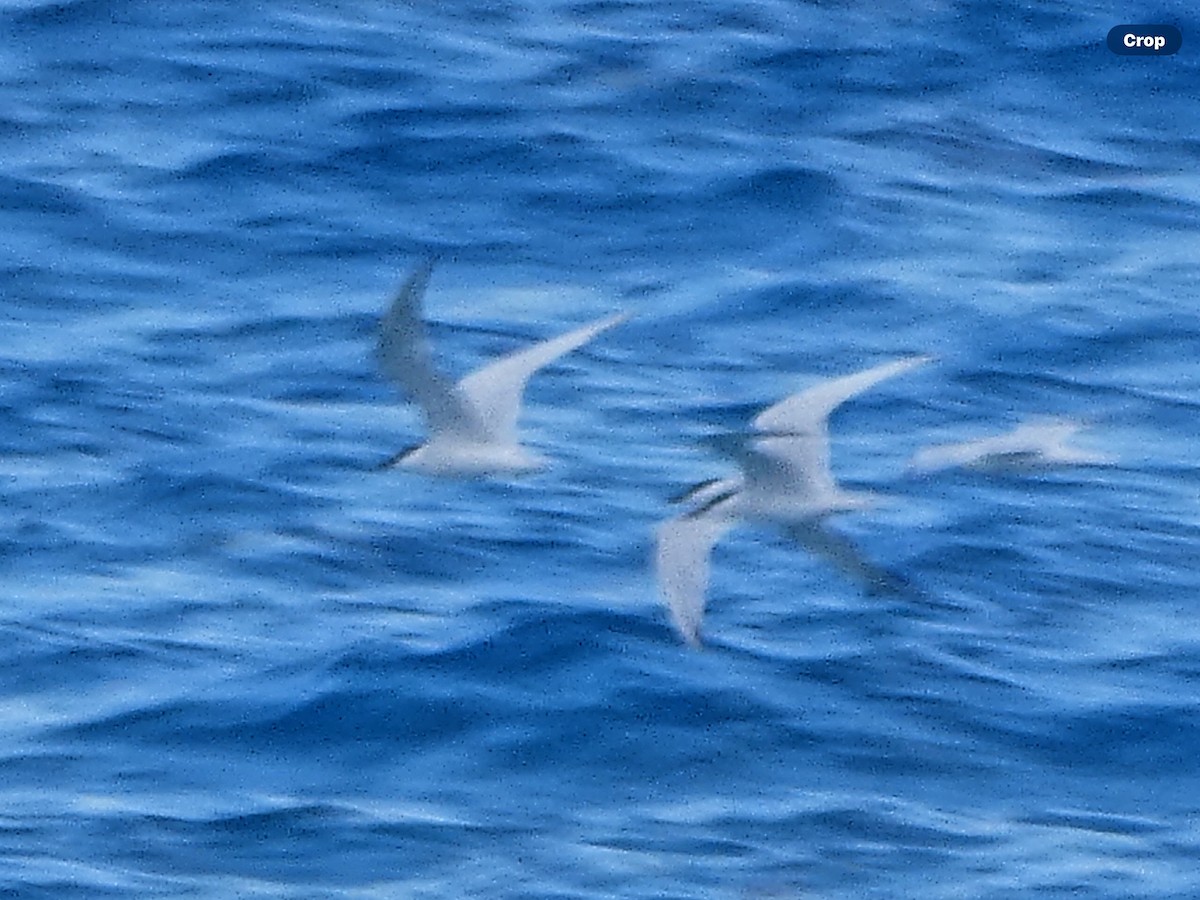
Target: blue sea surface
236, 660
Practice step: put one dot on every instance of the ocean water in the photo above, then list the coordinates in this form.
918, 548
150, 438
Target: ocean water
237, 661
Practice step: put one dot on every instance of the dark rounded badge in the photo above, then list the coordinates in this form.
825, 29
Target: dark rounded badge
1145, 40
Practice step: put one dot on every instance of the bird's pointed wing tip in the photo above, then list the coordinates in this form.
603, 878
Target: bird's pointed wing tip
423, 269
408, 299
687, 631
611, 321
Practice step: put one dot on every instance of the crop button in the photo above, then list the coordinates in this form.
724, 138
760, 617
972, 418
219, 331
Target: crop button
1145, 40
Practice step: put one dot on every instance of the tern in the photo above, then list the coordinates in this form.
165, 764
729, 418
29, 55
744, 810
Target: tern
472, 425
1040, 443
786, 481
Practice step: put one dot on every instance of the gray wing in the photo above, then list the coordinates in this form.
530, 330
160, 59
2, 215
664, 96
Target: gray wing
808, 410
403, 353
681, 563
494, 392
841, 552
791, 453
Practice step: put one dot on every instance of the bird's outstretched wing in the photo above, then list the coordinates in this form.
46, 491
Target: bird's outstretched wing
841, 552
809, 410
681, 563
404, 356
494, 392
787, 454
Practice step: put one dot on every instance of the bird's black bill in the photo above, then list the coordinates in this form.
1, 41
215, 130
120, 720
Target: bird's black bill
397, 459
